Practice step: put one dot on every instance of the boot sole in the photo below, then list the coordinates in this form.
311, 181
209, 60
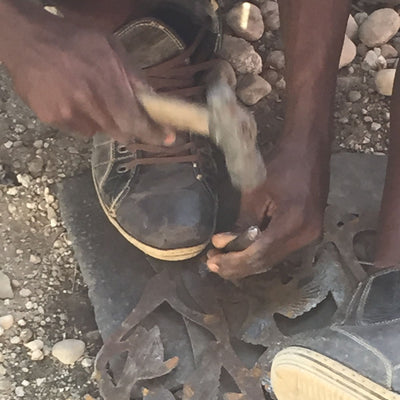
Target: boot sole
301, 374
181, 254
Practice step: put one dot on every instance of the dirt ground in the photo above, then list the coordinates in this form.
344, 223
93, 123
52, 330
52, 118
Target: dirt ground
36, 254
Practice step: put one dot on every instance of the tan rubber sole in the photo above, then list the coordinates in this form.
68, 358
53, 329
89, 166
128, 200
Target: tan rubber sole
184, 253
301, 374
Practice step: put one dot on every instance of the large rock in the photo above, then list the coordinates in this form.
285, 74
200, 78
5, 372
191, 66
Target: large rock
349, 52
69, 350
241, 55
270, 12
252, 88
352, 28
246, 21
379, 27
222, 71
384, 80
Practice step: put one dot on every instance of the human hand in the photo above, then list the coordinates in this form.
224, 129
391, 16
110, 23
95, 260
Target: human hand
78, 79
293, 200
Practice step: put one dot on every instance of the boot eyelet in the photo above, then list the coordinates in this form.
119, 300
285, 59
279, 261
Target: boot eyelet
122, 149
122, 169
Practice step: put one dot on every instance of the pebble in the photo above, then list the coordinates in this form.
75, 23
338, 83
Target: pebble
1, 331
34, 259
352, 28
19, 128
69, 350
8, 144
87, 362
349, 52
15, 340
25, 292
354, 95
241, 55
370, 61
34, 345
38, 144
37, 355
40, 381
12, 209
252, 88
3, 371
19, 391
384, 80
35, 166
270, 13
379, 27
246, 21
388, 51
375, 126
26, 335
276, 59
6, 322
6, 291
24, 180
281, 84
223, 71
360, 17
271, 76
12, 191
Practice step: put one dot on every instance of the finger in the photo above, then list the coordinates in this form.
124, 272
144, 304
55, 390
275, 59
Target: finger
220, 240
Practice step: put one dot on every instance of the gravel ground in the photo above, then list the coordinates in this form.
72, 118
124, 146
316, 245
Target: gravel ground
49, 299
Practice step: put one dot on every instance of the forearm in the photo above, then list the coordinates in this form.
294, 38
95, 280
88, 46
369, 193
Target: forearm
313, 32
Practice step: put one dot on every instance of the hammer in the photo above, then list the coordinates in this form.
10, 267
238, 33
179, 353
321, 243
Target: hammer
229, 125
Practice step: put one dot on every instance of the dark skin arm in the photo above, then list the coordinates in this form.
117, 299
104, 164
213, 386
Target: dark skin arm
73, 77
295, 194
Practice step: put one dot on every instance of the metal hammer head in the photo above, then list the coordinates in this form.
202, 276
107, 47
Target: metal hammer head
234, 130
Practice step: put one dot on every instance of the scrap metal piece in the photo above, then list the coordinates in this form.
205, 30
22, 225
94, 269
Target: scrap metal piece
164, 288
144, 360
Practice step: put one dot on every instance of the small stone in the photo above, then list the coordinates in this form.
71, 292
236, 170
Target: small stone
24, 180
34, 345
12, 191
360, 17
6, 322
38, 144
352, 28
34, 259
354, 95
375, 126
15, 340
87, 363
384, 80
37, 355
29, 305
19, 128
348, 54
1, 331
281, 84
241, 55
1, 357
276, 59
388, 51
26, 335
252, 88
40, 381
8, 144
25, 292
222, 72
270, 13
21, 322
246, 21
35, 166
370, 61
69, 350
25, 383
5, 386
19, 391
379, 27
3, 371
271, 76
6, 291
12, 209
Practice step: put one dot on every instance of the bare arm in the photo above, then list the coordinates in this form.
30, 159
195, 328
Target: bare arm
72, 77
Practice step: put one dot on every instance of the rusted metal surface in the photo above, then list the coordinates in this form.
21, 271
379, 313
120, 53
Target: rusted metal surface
215, 312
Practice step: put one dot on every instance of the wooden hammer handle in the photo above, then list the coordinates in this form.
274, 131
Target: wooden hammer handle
178, 114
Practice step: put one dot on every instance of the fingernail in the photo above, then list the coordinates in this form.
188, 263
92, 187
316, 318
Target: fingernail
213, 267
170, 139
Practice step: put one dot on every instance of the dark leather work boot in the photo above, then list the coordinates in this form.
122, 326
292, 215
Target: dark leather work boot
162, 199
359, 360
